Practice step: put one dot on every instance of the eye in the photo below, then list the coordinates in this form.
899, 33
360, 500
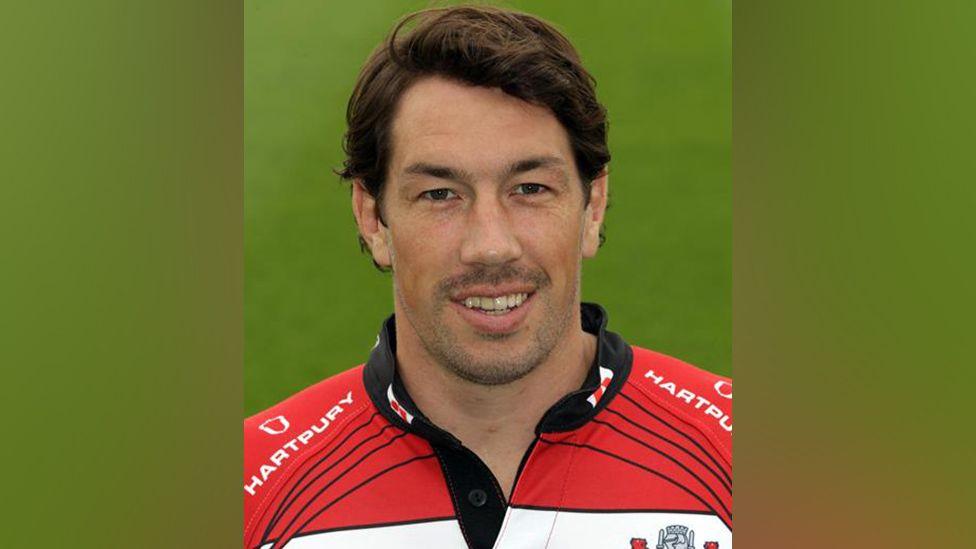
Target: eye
530, 188
438, 195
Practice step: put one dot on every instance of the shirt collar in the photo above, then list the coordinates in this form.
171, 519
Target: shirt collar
606, 376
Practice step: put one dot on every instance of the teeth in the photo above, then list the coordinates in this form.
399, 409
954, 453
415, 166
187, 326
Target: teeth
500, 303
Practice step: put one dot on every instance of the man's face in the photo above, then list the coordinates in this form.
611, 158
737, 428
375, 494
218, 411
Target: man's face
485, 228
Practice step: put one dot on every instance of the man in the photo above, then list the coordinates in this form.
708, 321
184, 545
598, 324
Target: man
495, 410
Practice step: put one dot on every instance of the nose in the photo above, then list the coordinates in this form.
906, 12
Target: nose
489, 235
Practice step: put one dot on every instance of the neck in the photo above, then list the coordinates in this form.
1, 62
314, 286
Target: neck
465, 408
496, 422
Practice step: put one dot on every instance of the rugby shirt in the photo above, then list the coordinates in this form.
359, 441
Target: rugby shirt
640, 456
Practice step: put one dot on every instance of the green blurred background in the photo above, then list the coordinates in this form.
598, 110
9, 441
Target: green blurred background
121, 280
313, 302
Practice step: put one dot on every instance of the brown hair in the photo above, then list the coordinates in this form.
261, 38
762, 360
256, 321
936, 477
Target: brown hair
482, 46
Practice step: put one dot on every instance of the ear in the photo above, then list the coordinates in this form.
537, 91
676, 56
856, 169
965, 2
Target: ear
371, 227
593, 215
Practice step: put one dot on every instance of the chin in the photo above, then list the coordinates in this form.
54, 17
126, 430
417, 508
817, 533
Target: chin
493, 363
493, 374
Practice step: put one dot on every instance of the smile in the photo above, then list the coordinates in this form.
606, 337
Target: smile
498, 305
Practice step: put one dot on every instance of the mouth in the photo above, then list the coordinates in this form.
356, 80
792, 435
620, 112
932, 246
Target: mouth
495, 314
496, 305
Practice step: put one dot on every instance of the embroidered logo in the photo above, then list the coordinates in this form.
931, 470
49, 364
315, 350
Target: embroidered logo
275, 425
638, 543
720, 388
676, 537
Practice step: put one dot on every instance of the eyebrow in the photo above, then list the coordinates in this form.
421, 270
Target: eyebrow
532, 163
439, 172
462, 176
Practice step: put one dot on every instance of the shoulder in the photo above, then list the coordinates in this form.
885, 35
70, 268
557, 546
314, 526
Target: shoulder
700, 400
278, 440
344, 391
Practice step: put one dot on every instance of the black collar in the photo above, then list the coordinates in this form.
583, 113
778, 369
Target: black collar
604, 380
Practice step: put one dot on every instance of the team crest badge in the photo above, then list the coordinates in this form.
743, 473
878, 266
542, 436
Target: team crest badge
676, 537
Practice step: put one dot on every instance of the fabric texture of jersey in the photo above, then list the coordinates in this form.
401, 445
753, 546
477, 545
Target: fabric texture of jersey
639, 457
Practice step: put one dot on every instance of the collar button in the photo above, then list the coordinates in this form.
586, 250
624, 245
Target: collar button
477, 497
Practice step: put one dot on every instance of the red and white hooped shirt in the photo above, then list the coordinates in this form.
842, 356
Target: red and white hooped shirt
640, 457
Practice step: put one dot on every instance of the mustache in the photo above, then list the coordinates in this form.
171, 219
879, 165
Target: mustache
493, 276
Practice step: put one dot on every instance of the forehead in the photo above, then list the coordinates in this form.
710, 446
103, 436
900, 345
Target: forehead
441, 120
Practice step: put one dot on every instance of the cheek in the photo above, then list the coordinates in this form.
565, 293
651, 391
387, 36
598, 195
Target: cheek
552, 240
421, 259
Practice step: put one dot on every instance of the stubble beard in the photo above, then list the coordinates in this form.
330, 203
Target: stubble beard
496, 366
